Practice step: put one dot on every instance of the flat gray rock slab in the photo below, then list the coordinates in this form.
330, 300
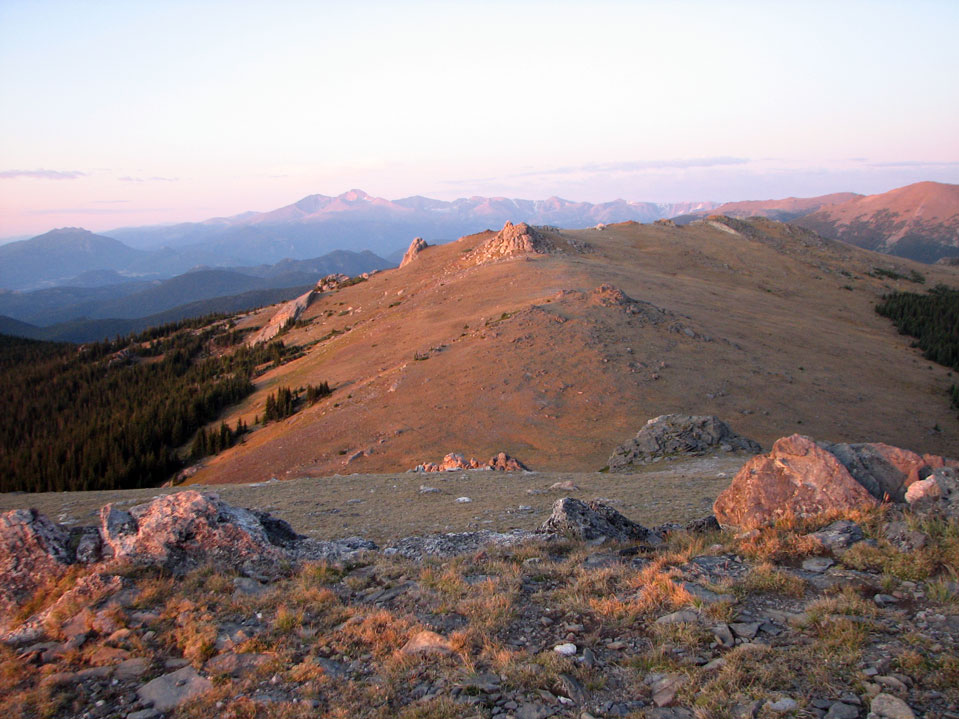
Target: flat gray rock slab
171, 690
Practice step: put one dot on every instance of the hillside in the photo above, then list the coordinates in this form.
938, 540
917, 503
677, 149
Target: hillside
60, 254
559, 354
919, 221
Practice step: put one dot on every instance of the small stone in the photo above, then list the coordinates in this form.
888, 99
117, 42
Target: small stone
817, 564
680, 617
886, 706
427, 642
745, 630
840, 710
724, 635
567, 649
892, 683
132, 668
144, 714
463, 500
784, 705
666, 688
171, 690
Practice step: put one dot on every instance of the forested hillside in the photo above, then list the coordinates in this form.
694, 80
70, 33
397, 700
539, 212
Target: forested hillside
933, 319
112, 415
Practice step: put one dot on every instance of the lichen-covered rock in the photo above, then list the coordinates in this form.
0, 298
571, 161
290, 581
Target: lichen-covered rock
797, 477
187, 528
594, 522
679, 434
416, 246
32, 550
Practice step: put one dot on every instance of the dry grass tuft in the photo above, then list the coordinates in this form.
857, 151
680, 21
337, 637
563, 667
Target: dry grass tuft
766, 578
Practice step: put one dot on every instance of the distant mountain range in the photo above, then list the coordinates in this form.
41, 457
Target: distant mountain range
920, 221
320, 223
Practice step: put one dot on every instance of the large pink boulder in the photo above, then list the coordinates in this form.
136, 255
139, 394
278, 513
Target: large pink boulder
796, 477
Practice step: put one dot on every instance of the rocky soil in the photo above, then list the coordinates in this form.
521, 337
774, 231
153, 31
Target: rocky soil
806, 597
851, 614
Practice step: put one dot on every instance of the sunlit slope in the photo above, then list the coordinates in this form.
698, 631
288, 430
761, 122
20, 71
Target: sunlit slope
765, 325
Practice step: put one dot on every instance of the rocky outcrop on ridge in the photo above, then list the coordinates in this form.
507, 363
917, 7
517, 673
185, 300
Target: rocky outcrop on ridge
290, 312
511, 241
803, 478
416, 246
287, 314
453, 462
671, 435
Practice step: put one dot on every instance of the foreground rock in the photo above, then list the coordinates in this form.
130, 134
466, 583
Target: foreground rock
883, 470
797, 477
594, 522
183, 529
32, 549
453, 462
179, 532
804, 478
679, 434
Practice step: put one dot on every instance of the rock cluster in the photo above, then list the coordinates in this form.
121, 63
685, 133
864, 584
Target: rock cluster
416, 246
679, 434
803, 478
511, 241
453, 462
178, 532
332, 282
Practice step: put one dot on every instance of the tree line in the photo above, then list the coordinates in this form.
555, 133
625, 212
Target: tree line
933, 320
112, 415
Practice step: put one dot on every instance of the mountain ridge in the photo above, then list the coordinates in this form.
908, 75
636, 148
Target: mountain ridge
556, 351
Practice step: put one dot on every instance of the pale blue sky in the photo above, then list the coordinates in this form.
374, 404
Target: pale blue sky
120, 113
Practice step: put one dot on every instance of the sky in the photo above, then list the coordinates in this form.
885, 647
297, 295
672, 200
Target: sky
131, 113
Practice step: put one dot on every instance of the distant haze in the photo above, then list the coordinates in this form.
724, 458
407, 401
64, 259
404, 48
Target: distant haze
123, 114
